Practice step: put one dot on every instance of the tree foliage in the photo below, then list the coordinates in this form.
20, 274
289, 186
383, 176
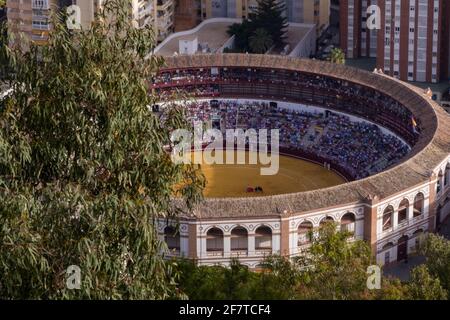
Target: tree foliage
337, 56
83, 170
333, 267
270, 17
436, 250
260, 41
423, 286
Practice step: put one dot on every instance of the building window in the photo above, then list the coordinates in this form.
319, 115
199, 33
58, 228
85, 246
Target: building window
214, 240
263, 238
172, 238
418, 204
387, 218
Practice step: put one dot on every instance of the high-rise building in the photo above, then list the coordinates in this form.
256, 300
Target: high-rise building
411, 43
187, 14
32, 17
299, 11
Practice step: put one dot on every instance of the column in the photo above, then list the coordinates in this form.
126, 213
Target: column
411, 211
227, 245
193, 247
276, 243
285, 244
184, 246
395, 220
371, 223
251, 244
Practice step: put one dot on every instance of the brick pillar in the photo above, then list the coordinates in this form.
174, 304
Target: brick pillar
284, 237
192, 231
370, 224
432, 204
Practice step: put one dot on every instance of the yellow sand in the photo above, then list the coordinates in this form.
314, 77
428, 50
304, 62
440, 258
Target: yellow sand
294, 175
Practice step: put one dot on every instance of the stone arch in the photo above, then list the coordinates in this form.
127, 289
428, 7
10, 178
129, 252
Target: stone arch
263, 238
304, 232
214, 240
239, 239
403, 210
439, 186
348, 222
172, 238
326, 219
419, 204
388, 215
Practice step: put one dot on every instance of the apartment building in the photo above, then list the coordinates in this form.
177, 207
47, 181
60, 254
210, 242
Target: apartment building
187, 14
32, 17
411, 41
297, 11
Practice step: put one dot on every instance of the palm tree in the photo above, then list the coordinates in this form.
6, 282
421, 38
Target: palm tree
260, 41
337, 56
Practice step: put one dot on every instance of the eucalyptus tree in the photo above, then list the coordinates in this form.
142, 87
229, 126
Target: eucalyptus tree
337, 56
84, 174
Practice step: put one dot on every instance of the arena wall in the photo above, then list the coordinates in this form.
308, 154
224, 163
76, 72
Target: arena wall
421, 179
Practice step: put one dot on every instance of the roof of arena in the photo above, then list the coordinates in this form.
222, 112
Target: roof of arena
414, 169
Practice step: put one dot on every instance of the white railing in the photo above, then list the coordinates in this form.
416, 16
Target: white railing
38, 26
40, 4
194, 30
239, 253
217, 253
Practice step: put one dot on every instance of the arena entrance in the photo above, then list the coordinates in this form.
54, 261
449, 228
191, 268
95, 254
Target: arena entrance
402, 248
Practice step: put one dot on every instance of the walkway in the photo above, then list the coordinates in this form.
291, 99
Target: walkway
401, 269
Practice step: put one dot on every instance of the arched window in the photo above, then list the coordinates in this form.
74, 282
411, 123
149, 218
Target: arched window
214, 240
438, 184
325, 220
348, 222
387, 253
172, 238
387, 218
403, 211
263, 238
446, 175
239, 239
304, 233
418, 204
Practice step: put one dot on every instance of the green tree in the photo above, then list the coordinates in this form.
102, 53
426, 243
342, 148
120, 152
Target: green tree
83, 170
337, 56
277, 280
241, 32
424, 286
334, 268
436, 250
270, 16
391, 289
217, 282
260, 41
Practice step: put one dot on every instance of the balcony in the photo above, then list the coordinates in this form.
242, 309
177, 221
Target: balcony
40, 4
214, 253
239, 253
41, 26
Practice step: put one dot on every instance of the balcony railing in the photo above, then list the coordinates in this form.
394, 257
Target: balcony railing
38, 26
239, 253
40, 4
214, 253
